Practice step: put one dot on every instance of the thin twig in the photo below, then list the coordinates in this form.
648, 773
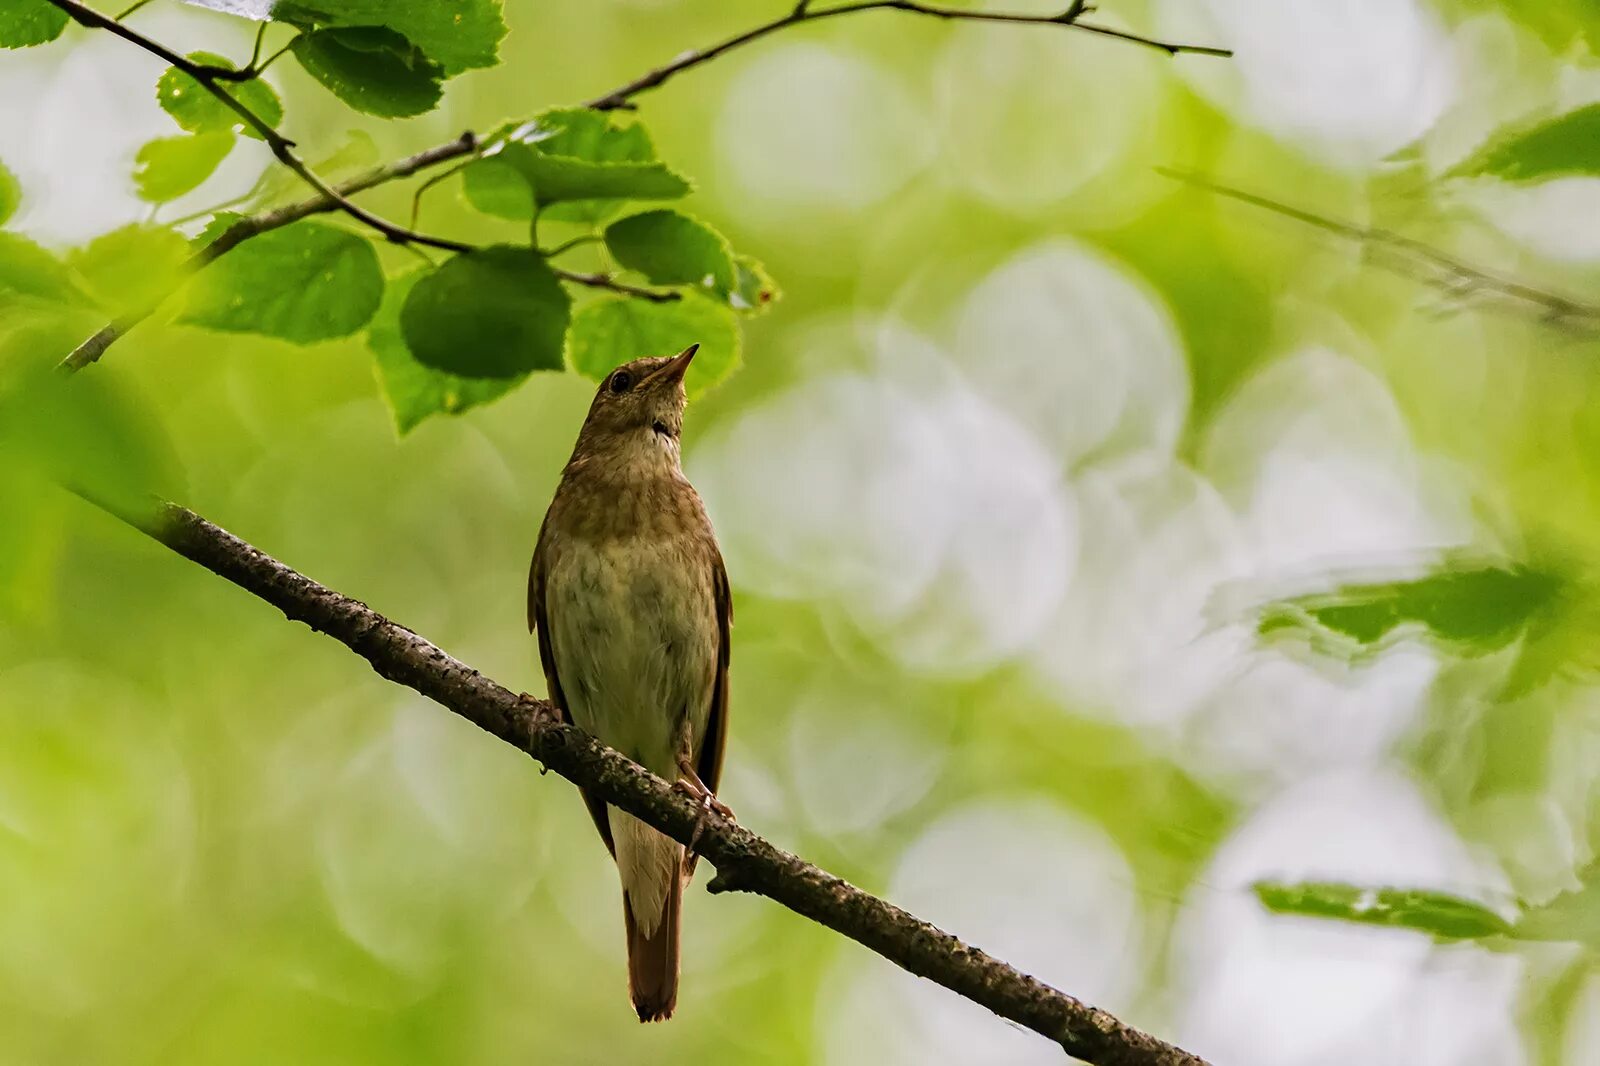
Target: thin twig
744, 861
622, 96
606, 281
281, 146
1421, 262
567, 246
416, 197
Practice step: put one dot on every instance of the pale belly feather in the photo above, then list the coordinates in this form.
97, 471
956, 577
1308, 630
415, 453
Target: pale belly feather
633, 627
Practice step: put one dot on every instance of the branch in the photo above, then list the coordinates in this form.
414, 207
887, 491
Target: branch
744, 861
1421, 262
606, 281
622, 96
281, 146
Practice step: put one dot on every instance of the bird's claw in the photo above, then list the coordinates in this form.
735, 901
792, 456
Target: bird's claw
544, 713
707, 802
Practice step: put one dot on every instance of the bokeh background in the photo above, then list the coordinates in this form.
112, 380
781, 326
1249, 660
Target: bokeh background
1004, 480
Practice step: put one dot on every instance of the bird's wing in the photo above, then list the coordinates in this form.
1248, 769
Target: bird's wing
709, 765
539, 622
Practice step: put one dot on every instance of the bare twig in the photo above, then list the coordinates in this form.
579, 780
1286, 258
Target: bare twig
606, 281
622, 96
281, 146
1422, 262
744, 861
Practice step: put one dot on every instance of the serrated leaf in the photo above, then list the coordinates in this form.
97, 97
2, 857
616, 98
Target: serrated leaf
168, 167
593, 136
25, 23
576, 165
27, 270
1474, 610
557, 179
754, 291
458, 35
215, 226
1567, 144
670, 248
132, 267
415, 392
1573, 915
373, 69
10, 194
197, 110
1438, 914
612, 331
304, 283
497, 312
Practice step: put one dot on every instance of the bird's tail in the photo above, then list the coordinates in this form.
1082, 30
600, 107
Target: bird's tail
651, 865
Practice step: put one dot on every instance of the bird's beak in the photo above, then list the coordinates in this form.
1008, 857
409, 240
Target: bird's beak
674, 369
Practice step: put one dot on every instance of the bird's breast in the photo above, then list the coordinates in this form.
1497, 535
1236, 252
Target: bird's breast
633, 633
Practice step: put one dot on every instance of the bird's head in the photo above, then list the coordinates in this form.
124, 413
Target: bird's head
639, 406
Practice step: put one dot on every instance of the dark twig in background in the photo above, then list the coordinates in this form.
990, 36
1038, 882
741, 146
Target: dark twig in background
337, 198
744, 861
1423, 263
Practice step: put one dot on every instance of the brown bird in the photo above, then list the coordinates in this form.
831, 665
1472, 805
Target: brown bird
630, 600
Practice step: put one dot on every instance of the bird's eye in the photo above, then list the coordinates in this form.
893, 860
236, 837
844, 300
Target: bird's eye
621, 381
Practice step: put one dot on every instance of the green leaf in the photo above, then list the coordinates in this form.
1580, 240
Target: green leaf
132, 267
497, 188
357, 153
578, 167
10, 194
414, 391
560, 178
494, 313
197, 110
1573, 915
458, 35
168, 167
27, 270
1568, 144
215, 226
592, 136
1441, 915
1475, 609
612, 331
304, 283
25, 23
754, 290
373, 69
1562, 24
671, 248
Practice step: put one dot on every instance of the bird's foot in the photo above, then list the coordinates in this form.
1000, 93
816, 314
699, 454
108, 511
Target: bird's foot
544, 713
706, 800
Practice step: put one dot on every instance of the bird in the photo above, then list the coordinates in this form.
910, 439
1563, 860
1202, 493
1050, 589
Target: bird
630, 600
